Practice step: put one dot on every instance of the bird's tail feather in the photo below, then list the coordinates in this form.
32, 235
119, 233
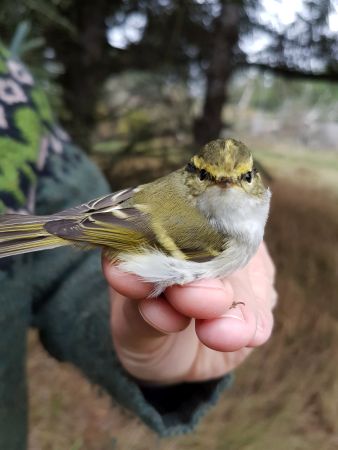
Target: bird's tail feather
23, 233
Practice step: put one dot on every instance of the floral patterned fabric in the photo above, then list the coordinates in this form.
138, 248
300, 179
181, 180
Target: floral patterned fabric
27, 135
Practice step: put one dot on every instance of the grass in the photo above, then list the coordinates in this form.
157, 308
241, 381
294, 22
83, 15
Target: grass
285, 395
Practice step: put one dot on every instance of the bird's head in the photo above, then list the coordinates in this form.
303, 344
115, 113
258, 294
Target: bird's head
226, 163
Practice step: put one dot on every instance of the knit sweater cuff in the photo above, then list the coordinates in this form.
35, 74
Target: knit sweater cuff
176, 409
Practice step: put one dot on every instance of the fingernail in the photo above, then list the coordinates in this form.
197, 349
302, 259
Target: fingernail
152, 323
234, 313
212, 284
205, 284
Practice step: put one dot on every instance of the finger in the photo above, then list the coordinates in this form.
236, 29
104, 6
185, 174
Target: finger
145, 319
261, 273
158, 313
268, 263
205, 299
128, 326
142, 349
263, 329
236, 328
124, 283
231, 332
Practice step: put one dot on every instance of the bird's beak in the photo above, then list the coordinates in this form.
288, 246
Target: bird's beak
225, 182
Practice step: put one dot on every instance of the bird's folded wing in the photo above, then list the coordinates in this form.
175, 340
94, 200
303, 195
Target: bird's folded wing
106, 221
112, 221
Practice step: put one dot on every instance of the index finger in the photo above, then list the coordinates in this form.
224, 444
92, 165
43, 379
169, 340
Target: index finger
203, 299
126, 284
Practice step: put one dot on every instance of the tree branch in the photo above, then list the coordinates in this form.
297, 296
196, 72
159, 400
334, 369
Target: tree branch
288, 72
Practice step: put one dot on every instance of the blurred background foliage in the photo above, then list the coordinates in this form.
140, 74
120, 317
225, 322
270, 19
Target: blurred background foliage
140, 85
202, 45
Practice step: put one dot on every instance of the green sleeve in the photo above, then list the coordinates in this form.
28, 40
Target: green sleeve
15, 287
15, 296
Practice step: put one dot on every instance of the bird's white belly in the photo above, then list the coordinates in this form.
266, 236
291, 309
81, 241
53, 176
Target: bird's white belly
162, 270
239, 217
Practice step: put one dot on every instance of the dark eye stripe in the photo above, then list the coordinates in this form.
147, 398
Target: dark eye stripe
202, 173
190, 167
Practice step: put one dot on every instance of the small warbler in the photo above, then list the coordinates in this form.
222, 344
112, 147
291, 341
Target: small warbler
204, 220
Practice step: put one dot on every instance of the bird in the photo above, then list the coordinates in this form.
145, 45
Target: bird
204, 220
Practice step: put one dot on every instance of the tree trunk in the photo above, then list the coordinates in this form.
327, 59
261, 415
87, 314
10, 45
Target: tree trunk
221, 66
84, 58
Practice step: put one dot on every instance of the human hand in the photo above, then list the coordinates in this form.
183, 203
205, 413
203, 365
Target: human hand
158, 342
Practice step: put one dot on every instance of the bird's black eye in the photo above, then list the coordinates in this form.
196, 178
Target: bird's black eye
203, 174
248, 177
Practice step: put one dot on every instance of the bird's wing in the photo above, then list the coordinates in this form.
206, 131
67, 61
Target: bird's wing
115, 222
108, 221
107, 201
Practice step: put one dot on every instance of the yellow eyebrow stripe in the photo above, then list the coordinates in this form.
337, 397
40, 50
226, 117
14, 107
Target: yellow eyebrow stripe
218, 172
